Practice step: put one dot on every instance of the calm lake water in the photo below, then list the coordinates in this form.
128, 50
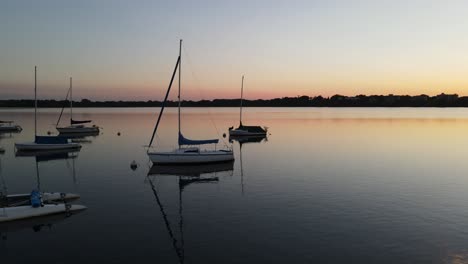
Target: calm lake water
358, 185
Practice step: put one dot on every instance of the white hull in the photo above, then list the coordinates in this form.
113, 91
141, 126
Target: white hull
34, 146
181, 156
25, 212
77, 129
245, 133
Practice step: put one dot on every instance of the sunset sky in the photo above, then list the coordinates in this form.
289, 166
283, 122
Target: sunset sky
126, 50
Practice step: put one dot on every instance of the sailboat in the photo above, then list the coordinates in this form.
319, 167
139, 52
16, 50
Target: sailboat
14, 207
8, 126
246, 130
76, 126
186, 153
44, 142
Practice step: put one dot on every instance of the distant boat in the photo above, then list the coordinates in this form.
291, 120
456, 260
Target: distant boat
246, 131
76, 126
187, 154
8, 126
44, 142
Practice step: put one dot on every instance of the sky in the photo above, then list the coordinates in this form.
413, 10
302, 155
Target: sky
126, 50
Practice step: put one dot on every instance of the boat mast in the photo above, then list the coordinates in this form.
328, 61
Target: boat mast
242, 98
71, 102
164, 102
180, 66
35, 102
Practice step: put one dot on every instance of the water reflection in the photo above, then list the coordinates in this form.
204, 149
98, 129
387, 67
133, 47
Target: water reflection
36, 224
187, 175
47, 155
241, 140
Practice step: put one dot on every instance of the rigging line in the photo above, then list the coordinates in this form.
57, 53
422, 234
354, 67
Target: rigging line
200, 92
61, 112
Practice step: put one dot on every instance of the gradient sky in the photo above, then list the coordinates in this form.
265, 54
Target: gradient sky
127, 49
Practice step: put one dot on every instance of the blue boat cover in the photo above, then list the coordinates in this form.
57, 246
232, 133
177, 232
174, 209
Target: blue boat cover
75, 122
186, 141
51, 140
36, 198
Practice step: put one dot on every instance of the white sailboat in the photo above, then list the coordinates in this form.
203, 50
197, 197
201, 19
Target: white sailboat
187, 153
8, 126
76, 126
44, 142
246, 131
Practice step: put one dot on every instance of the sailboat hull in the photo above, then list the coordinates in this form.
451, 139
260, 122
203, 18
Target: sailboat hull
26, 212
35, 146
78, 129
182, 156
245, 133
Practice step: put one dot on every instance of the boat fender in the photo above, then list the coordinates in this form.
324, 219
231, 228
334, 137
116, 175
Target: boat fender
36, 199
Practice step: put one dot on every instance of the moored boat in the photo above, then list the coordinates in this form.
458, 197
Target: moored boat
44, 142
246, 131
186, 153
76, 126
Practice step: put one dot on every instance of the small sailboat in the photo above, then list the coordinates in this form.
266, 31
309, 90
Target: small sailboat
44, 142
15, 207
187, 153
9, 126
76, 126
246, 131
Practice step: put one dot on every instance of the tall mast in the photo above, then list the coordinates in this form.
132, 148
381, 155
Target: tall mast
35, 102
180, 66
242, 98
71, 101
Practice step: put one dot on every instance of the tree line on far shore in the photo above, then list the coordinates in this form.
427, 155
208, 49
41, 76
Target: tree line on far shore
441, 100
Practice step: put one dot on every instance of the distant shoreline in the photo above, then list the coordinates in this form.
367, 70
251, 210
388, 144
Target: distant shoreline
441, 100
